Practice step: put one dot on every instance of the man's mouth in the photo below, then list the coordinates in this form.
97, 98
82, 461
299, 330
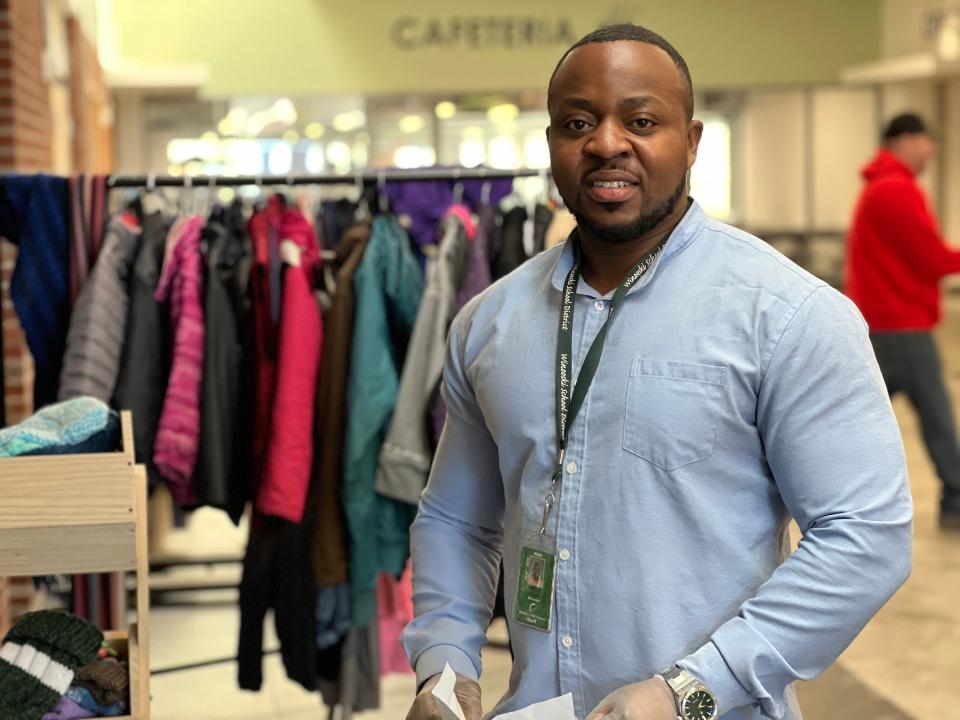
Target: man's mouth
610, 191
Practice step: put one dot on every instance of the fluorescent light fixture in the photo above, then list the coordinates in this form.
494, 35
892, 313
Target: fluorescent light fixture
349, 121
503, 113
314, 130
445, 110
411, 124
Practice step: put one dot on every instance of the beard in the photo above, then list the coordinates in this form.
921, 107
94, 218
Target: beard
647, 220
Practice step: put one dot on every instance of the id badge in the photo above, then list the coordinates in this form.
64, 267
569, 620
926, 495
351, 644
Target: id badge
535, 583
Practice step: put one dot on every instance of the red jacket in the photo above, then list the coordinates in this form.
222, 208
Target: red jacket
288, 460
896, 255
265, 339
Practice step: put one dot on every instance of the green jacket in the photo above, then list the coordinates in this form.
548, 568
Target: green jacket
387, 286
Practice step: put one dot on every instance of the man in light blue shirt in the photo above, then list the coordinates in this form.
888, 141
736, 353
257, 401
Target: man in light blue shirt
734, 391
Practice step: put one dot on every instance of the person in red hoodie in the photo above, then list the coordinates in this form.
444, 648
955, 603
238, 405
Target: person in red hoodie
895, 260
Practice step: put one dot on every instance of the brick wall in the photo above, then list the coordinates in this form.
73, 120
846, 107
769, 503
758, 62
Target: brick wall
17, 362
24, 94
26, 146
25, 127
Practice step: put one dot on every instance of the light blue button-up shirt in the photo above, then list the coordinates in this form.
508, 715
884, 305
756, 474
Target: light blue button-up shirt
735, 390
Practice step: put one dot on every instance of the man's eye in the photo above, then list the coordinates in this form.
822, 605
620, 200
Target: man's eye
643, 123
577, 125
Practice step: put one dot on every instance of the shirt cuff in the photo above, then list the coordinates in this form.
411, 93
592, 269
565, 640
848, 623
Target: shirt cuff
708, 666
432, 661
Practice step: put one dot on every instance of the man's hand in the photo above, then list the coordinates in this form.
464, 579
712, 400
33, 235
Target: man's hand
648, 700
467, 692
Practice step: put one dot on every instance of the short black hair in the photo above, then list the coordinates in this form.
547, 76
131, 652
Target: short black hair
905, 124
635, 33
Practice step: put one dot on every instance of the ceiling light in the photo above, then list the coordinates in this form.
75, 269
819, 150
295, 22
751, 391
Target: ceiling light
445, 110
280, 159
411, 124
503, 113
348, 121
314, 130
285, 111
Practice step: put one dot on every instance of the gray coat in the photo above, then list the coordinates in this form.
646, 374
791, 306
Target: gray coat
99, 320
407, 453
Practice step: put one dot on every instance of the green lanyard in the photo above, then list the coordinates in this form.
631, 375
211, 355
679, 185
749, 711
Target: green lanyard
568, 404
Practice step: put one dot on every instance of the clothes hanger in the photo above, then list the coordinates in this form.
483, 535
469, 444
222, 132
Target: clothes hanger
382, 199
457, 187
183, 202
362, 213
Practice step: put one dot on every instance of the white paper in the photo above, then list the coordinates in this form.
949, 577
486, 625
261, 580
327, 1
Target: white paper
560, 708
446, 698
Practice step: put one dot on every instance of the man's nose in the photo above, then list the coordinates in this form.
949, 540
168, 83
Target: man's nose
608, 140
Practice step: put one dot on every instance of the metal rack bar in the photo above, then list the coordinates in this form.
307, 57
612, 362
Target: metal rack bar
366, 177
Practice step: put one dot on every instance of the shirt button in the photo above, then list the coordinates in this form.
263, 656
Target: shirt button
599, 305
564, 554
567, 641
571, 468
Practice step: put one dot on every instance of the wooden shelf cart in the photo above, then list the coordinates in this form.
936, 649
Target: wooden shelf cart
66, 514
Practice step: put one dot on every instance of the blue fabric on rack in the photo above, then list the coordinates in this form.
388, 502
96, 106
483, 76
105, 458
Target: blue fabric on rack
333, 615
33, 216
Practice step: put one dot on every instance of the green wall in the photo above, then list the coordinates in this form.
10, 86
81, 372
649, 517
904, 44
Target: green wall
309, 47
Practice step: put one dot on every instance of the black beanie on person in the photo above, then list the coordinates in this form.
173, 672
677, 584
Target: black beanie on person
38, 658
905, 124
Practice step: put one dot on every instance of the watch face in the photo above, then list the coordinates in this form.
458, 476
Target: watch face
699, 705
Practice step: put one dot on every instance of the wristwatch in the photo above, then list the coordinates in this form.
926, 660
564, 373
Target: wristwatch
694, 699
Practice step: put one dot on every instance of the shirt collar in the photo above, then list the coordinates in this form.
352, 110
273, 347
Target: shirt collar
683, 234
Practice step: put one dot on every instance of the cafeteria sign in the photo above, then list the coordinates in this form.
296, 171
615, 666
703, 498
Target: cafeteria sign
507, 32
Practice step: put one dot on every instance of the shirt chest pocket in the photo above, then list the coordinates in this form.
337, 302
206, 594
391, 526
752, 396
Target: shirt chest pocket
673, 409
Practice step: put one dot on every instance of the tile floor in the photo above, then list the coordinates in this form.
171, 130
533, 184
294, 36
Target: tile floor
903, 666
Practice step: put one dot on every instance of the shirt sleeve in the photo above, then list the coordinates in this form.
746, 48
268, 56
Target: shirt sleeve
456, 540
835, 452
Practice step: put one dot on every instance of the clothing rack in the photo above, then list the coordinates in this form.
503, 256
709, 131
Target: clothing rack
151, 181
360, 180
366, 177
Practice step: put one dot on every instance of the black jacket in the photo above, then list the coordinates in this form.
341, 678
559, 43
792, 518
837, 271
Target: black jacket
225, 461
145, 361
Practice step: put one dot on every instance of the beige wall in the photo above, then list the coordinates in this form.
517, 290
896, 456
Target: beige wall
310, 47
908, 25
801, 151
771, 140
845, 131
950, 158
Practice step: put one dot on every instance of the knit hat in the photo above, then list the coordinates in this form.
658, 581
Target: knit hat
107, 681
38, 659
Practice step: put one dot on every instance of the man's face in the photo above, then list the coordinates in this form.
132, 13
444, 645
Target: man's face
924, 148
620, 141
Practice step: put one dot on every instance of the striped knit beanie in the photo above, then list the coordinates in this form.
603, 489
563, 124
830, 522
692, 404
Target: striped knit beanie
38, 659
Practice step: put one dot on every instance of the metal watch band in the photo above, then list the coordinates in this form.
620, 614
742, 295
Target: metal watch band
680, 681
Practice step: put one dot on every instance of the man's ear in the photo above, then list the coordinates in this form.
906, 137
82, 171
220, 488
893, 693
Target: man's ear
694, 134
